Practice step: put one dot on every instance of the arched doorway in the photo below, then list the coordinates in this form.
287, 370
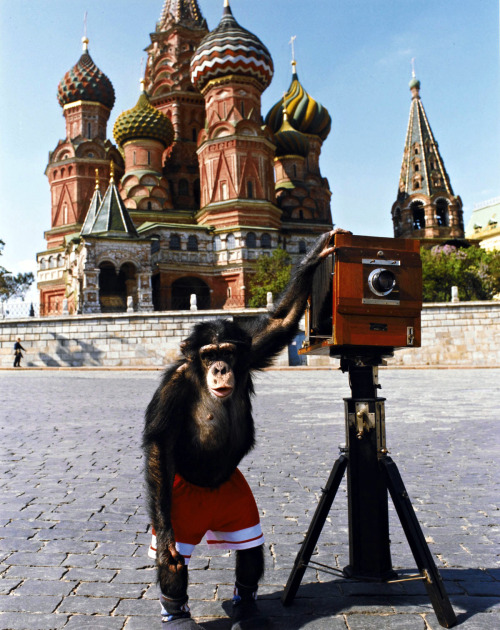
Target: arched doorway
183, 288
114, 287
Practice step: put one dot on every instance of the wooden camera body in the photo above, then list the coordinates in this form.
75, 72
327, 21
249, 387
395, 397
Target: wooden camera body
367, 293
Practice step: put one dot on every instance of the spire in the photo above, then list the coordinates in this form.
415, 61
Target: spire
186, 12
423, 169
95, 202
111, 218
294, 62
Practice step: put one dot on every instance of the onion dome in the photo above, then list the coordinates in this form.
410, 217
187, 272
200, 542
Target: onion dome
143, 121
414, 83
289, 141
231, 49
304, 113
85, 82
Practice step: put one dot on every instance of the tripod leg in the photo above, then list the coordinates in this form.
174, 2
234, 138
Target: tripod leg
421, 552
319, 518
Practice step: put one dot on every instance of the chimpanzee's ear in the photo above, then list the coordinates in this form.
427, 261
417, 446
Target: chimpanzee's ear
187, 349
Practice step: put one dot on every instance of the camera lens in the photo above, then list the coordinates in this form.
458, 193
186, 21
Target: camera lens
381, 281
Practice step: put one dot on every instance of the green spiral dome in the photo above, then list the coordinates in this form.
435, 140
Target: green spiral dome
289, 141
143, 121
304, 113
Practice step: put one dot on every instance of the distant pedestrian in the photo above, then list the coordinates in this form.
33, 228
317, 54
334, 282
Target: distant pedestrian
18, 353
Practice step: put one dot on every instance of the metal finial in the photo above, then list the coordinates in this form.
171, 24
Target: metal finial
226, 3
111, 172
142, 81
285, 113
292, 43
413, 67
85, 40
97, 179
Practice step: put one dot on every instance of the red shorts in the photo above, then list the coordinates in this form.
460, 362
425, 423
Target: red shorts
228, 515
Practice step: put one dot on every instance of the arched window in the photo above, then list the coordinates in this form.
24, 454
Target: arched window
183, 187
175, 242
155, 244
265, 241
89, 130
442, 213
251, 240
149, 157
250, 189
194, 134
196, 191
242, 108
230, 241
217, 243
418, 214
192, 244
150, 207
223, 191
397, 222
302, 247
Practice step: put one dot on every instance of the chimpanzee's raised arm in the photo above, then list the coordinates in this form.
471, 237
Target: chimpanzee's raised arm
278, 329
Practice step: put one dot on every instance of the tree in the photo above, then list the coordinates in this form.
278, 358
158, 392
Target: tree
272, 274
13, 286
475, 271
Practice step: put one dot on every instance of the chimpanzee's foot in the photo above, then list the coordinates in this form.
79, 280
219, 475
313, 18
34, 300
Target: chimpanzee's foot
184, 623
247, 616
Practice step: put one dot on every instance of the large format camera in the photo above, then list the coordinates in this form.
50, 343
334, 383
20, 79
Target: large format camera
367, 293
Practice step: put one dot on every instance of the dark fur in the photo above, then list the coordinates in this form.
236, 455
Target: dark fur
190, 432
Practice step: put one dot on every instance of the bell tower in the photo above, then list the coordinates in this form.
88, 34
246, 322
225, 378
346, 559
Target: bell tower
232, 68
86, 96
167, 81
426, 207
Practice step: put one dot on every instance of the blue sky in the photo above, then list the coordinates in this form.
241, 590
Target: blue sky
353, 56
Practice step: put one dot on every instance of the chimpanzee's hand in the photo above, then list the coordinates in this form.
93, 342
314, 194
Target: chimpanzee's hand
167, 555
323, 247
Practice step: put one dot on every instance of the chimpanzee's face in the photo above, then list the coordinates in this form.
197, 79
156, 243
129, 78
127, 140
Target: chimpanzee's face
218, 362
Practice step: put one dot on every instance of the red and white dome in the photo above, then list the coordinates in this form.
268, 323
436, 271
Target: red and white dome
231, 49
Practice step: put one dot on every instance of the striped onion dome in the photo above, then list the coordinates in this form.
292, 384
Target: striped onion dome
289, 141
231, 49
304, 113
85, 82
143, 121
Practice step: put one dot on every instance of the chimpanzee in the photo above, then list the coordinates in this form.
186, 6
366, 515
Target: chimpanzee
198, 427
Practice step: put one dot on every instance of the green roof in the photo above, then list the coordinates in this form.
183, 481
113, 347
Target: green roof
112, 217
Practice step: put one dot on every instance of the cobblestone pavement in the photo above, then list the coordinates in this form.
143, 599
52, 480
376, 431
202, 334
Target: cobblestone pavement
74, 530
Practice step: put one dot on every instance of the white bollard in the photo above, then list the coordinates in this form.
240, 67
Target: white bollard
193, 302
454, 294
269, 304
130, 304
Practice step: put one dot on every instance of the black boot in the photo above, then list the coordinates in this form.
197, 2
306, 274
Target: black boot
246, 614
175, 614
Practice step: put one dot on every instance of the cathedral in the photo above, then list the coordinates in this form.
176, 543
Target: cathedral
198, 183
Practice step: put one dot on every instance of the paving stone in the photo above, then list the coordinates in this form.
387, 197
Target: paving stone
35, 621
45, 587
96, 622
88, 605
